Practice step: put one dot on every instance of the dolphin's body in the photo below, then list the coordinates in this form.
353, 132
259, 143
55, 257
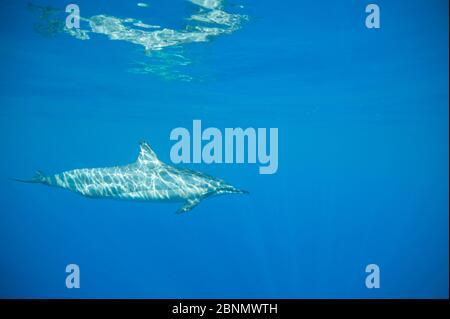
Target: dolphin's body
148, 179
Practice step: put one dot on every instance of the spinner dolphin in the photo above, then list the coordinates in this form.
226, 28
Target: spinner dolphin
147, 179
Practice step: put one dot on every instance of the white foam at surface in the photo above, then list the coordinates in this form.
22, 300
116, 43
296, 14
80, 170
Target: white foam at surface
209, 21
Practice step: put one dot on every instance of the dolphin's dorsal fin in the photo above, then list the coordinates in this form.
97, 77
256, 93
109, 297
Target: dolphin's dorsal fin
147, 156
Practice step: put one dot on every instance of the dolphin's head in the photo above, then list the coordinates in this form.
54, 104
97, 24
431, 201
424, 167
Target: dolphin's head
229, 189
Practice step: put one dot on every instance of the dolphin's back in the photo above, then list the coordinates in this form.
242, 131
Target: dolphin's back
96, 182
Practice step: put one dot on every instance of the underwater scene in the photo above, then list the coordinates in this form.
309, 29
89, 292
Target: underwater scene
224, 149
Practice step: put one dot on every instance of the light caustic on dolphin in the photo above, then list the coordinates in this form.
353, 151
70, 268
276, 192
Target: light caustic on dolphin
148, 179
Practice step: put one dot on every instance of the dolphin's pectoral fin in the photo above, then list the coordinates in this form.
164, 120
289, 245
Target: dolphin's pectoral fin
190, 204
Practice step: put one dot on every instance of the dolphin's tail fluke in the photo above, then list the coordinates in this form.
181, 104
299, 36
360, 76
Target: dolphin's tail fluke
39, 177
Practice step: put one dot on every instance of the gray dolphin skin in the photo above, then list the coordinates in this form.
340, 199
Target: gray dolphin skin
148, 179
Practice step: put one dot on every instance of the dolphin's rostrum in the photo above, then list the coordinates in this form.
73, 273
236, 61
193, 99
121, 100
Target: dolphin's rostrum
148, 179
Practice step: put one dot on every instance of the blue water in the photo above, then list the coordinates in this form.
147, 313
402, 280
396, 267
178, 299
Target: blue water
363, 152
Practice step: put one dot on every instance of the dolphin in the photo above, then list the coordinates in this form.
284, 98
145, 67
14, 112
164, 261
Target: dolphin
147, 179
